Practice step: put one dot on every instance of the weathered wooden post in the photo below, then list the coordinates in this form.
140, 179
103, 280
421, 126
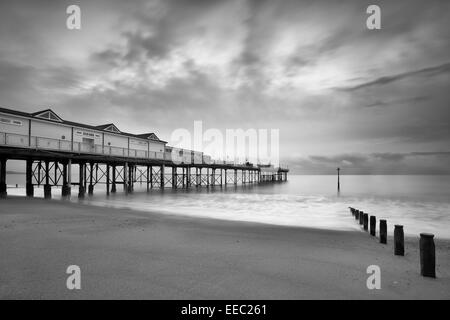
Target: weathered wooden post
427, 255
29, 178
361, 217
383, 231
366, 221
373, 222
356, 214
399, 241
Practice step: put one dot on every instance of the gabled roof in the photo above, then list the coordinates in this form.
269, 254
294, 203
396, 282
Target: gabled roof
109, 127
150, 136
50, 115
47, 114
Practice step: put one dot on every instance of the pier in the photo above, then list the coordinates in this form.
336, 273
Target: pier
103, 154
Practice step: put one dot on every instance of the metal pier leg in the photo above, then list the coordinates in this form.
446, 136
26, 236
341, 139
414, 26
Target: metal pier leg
113, 185
107, 180
149, 179
162, 179
47, 186
174, 177
3, 188
91, 177
65, 186
29, 178
125, 177
81, 189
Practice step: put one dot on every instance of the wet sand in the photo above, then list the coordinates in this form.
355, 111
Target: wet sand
125, 254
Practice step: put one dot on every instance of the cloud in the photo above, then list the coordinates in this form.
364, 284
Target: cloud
424, 72
374, 163
308, 68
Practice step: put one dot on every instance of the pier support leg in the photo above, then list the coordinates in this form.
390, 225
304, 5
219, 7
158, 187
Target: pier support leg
113, 183
197, 177
3, 188
125, 177
91, 177
81, 180
174, 177
29, 178
162, 183
47, 186
235, 177
130, 179
188, 182
107, 179
149, 177
65, 191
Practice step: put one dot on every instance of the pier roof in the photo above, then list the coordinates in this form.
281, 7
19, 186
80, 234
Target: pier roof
51, 116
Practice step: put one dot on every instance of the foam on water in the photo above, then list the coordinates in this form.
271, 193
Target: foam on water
420, 203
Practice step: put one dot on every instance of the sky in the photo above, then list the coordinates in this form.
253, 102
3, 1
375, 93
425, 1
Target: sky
341, 95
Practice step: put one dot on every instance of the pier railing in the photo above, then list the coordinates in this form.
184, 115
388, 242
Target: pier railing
42, 143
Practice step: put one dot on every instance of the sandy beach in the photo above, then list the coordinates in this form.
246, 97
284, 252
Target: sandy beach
125, 254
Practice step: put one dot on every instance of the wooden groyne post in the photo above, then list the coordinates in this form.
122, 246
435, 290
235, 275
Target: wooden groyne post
399, 241
366, 221
427, 255
373, 222
361, 217
383, 231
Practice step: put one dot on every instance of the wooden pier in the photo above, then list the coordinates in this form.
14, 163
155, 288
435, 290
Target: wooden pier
49, 160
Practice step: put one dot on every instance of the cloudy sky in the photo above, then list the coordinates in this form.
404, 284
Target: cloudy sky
369, 101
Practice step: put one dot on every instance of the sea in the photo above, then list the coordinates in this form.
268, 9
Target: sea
418, 202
